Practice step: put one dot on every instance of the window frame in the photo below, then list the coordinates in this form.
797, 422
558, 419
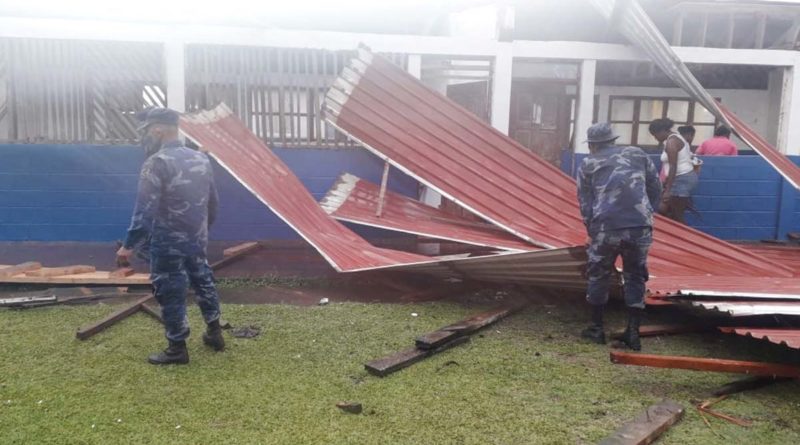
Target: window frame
636, 121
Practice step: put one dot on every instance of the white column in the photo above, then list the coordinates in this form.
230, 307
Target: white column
174, 63
415, 65
585, 106
501, 87
427, 196
789, 123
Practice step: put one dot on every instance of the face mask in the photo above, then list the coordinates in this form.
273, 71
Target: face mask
151, 145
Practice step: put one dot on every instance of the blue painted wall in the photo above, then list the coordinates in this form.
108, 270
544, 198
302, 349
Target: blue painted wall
86, 193
738, 198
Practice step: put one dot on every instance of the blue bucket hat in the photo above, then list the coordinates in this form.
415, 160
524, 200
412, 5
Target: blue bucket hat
600, 132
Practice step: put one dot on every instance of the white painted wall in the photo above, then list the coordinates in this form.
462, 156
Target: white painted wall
753, 106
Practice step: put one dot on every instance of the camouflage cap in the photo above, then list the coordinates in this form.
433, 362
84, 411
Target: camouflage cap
600, 132
157, 115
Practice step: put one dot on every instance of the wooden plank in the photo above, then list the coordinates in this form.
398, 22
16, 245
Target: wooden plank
122, 272
705, 364
120, 314
91, 278
234, 254
10, 271
648, 426
387, 365
241, 249
464, 327
60, 271
655, 330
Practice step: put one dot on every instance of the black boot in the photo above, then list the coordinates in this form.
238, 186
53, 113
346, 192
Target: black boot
175, 353
595, 331
213, 336
631, 335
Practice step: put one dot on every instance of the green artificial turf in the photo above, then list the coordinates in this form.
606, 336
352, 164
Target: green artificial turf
525, 380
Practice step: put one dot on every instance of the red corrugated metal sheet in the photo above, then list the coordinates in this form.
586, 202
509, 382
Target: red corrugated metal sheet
254, 165
787, 255
726, 286
785, 337
776, 159
556, 268
355, 200
449, 149
747, 308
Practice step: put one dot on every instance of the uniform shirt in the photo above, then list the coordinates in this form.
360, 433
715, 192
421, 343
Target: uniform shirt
717, 146
176, 202
618, 188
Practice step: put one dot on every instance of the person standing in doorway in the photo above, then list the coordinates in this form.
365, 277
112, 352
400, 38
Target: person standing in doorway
618, 189
678, 167
719, 145
175, 204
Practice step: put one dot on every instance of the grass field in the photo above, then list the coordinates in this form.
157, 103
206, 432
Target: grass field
526, 380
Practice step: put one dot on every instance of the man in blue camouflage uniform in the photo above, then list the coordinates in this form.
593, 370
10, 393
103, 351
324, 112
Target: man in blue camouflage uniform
176, 203
618, 188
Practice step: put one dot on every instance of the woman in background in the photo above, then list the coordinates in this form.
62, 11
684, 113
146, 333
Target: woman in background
678, 168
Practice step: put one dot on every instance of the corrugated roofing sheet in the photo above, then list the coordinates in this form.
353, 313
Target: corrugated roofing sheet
785, 337
450, 150
254, 165
355, 200
788, 255
633, 22
749, 308
726, 286
558, 268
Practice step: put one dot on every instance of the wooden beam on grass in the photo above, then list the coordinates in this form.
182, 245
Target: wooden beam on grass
648, 426
395, 362
464, 327
10, 271
705, 364
120, 314
47, 272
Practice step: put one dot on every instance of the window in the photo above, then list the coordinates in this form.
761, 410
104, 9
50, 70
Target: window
631, 116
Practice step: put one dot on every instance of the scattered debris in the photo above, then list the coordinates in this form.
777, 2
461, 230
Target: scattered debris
414, 314
705, 364
704, 407
246, 332
350, 407
324, 301
648, 426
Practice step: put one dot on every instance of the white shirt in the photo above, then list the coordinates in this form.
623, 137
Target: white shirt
685, 164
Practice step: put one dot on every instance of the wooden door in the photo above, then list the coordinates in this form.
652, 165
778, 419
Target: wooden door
540, 118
